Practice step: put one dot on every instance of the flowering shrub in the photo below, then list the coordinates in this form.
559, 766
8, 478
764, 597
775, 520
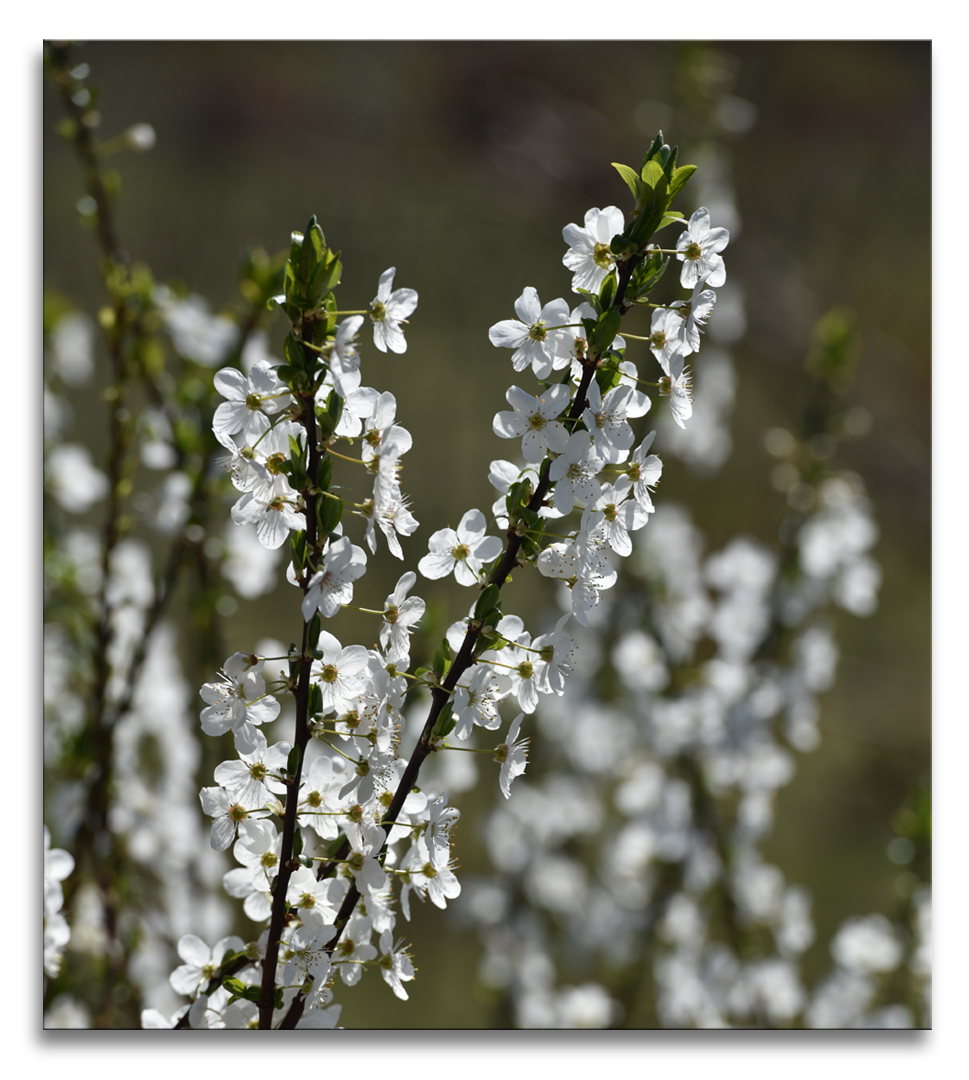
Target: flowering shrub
334, 828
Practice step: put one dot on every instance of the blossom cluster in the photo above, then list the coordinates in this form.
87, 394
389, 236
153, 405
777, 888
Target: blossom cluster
654, 771
329, 829
57, 865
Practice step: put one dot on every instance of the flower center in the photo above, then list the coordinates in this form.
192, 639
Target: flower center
253, 402
377, 311
693, 251
391, 613
461, 552
603, 256
329, 674
537, 422
537, 331
526, 669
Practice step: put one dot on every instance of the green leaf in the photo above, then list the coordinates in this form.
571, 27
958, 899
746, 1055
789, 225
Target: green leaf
608, 291
325, 278
444, 724
324, 474
295, 247
298, 543
646, 275
442, 659
328, 514
317, 240
605, 331
292, 762
608, 376
518, 495
630, 176
654, 147
652, 174
668, 162
668, 218
679, 178
293, 352
487, 601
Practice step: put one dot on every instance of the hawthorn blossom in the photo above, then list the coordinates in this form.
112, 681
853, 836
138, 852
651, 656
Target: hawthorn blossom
319, 795
388, 310
238, 702
678, 386
344, 360
464, 551
340, 672
477, 703
306, 955
511, 755
248, 400
315, 898
201, 962
501, 475
332, 585
534, 419
665, 337
401, 614
196, 333
366, 842
258, 849
227, 812
441, 820
644, 469
616, 515
272, 508
581, 564
574, 472
249, 779
395, 964
699, 249
539, 335
436, 880
525, 670
380, 434
606, 420
557, 651
695, 312
357, 406
390, 510
58, 863
589, 254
